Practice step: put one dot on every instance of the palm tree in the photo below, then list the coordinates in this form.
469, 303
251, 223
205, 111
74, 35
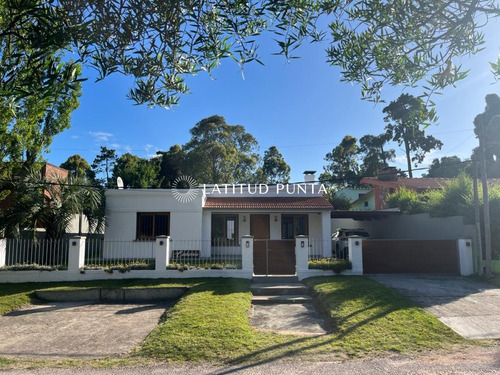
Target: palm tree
51, 205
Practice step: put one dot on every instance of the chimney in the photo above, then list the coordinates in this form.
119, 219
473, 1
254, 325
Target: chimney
309, 176
388, 174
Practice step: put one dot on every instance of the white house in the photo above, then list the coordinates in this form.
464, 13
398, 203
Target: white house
209, 221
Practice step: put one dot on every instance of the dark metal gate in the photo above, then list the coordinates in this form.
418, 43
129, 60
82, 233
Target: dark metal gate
273, 257
411, 256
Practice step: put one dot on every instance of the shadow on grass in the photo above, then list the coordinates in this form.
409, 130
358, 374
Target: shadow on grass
376, 303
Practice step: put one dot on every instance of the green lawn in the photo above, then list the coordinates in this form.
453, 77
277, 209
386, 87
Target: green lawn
210, 323
14, 295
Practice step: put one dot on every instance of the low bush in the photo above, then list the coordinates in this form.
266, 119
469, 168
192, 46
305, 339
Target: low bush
33, 267
336, 265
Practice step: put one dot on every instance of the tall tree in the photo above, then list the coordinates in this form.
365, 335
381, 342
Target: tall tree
172, 165
274, 167
342, 168
137, 172
158, 43
375, 156
78, 167
221, 153
104, 164
446, 167
487, 128
28, 126
406, 117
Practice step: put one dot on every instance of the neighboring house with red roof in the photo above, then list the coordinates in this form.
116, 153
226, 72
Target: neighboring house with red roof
212, 217
49, 171
388, 183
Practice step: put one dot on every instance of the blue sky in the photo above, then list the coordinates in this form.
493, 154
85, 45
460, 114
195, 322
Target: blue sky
301, 107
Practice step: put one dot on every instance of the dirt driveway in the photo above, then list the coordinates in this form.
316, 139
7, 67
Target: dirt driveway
469, 307
77, 330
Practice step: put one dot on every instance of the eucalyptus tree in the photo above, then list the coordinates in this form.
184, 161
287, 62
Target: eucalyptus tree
447, 167
375, 155
343, 167
78, 167
137, 172
221, 153
173, 164
274, 167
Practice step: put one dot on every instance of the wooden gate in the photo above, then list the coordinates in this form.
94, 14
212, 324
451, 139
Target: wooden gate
274, 257
270, 257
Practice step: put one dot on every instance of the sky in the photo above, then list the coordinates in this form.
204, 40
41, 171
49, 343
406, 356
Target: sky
300, 106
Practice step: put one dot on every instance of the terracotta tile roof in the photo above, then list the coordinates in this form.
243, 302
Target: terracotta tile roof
269, 203
410, 183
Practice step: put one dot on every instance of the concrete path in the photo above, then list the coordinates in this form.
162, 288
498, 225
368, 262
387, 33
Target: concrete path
469, 307
292, 318
77, 329
285, 308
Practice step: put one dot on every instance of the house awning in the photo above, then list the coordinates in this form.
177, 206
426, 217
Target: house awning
277, 203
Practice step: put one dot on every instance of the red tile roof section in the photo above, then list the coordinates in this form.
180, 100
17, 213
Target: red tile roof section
269, 203
410, 183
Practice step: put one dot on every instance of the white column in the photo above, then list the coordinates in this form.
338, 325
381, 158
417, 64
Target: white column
465, 257
301, 254
326, 225
3, 251
356, 255
162, 258
247, 255
76, 255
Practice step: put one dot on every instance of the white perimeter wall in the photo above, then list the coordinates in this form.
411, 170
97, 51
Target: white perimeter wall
412, 227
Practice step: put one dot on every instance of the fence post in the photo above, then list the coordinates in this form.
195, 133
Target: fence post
76, 253
162, 256
301, 254
326, 231
465, 257
3, 251
356, 255
247, 254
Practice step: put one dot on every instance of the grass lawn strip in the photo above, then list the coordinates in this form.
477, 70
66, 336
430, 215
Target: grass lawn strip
210, 323
366, 316
13, 296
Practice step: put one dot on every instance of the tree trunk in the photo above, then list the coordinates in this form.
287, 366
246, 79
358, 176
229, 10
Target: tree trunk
408, 157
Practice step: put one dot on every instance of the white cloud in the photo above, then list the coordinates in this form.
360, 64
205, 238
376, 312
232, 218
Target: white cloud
150, 150
118, 147
101, 136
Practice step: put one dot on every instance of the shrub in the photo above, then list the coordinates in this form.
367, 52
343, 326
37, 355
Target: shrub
32, 267
335, 265
407, 200
456, 199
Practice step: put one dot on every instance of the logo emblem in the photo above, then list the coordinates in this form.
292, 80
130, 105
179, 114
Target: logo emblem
185, 189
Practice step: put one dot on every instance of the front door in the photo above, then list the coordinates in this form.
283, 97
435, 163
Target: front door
259, 226
270, 257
